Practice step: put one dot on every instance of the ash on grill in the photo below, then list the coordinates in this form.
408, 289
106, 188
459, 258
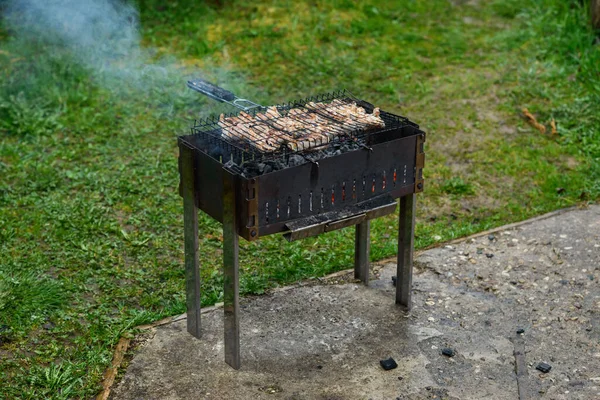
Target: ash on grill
303, 168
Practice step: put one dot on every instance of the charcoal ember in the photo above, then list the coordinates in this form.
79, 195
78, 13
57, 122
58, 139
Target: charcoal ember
231, 165
261, 167
267, 168
270, 166
295, 160
253, 168
256, 168
314, 158
277, 165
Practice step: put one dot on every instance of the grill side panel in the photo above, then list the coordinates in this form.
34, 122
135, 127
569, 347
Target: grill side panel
265, 204
337, 182
208, 181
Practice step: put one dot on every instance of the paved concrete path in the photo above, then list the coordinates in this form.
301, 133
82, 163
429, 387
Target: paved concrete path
325, 341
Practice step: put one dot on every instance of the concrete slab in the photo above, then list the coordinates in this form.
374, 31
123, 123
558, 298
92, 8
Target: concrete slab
325, 341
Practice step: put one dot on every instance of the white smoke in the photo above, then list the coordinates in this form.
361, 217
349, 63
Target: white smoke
104, 37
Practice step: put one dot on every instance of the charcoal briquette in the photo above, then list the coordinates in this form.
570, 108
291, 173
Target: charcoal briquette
545, 368
295, 160
448, 352
388, 364
253, 169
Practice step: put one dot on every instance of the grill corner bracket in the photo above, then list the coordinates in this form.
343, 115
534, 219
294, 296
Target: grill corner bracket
420, 163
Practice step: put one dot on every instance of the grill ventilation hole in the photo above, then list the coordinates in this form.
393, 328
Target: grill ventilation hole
267, 212
322, 195
310, 202
343, 191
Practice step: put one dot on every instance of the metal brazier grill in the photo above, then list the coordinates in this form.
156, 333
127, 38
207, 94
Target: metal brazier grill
301, 169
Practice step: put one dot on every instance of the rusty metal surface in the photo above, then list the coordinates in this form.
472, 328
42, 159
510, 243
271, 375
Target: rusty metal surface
326, 222
420, 163
248, 227
231, 279
345, 222
190, 220
362, 247
406, 237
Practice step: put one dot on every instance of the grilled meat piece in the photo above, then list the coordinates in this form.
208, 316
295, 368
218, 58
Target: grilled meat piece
245, 128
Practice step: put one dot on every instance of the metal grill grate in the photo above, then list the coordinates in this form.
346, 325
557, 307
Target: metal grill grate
299, 127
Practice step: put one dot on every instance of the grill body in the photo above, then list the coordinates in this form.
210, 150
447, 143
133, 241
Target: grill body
361, 181
269, 203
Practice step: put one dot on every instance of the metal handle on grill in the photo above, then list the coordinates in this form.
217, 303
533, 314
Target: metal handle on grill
221, 95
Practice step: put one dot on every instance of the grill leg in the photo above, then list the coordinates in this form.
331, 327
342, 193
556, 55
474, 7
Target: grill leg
361, 251
190, 229
231, 273
406, 234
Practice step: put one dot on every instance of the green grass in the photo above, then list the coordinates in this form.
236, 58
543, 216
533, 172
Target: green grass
91, 239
